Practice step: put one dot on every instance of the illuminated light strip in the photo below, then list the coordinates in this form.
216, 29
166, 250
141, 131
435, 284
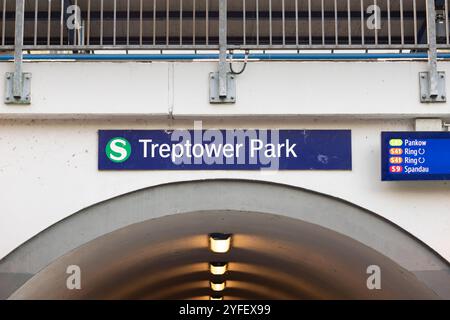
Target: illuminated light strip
218, 268
218, 286
219, 242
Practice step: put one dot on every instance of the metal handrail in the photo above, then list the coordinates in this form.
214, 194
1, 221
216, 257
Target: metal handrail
238, 57
96, 25
84, 27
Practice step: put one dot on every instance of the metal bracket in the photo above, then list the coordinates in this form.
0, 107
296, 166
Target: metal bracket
426, 94
432, 83
18, 83
222, 84
214, 88
447, 126
24, 94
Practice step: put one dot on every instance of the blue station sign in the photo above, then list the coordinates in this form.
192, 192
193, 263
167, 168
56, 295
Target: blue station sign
224, 150
415, 156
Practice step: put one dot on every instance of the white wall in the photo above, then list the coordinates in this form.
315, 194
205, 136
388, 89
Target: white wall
48, 170
48, 167
339, 89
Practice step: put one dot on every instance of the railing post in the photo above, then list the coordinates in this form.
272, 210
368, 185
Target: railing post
223, 48
18, 83
432, 51
432, 83
222, 85
18, 49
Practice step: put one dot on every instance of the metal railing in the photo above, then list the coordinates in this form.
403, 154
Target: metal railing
92, 25
83, 27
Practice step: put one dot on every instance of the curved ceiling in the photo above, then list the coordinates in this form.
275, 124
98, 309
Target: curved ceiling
271, 257
288, 243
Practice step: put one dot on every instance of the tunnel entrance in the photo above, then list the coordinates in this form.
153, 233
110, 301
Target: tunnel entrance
286, 243
271, 257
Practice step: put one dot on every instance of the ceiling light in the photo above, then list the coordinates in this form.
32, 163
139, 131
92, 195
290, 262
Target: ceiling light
218, 268
215, 298
217, 286
219, 242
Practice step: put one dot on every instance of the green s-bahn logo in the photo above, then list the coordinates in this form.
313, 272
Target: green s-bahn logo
118, 150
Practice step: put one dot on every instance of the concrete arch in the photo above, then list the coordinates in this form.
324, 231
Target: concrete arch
222, 197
